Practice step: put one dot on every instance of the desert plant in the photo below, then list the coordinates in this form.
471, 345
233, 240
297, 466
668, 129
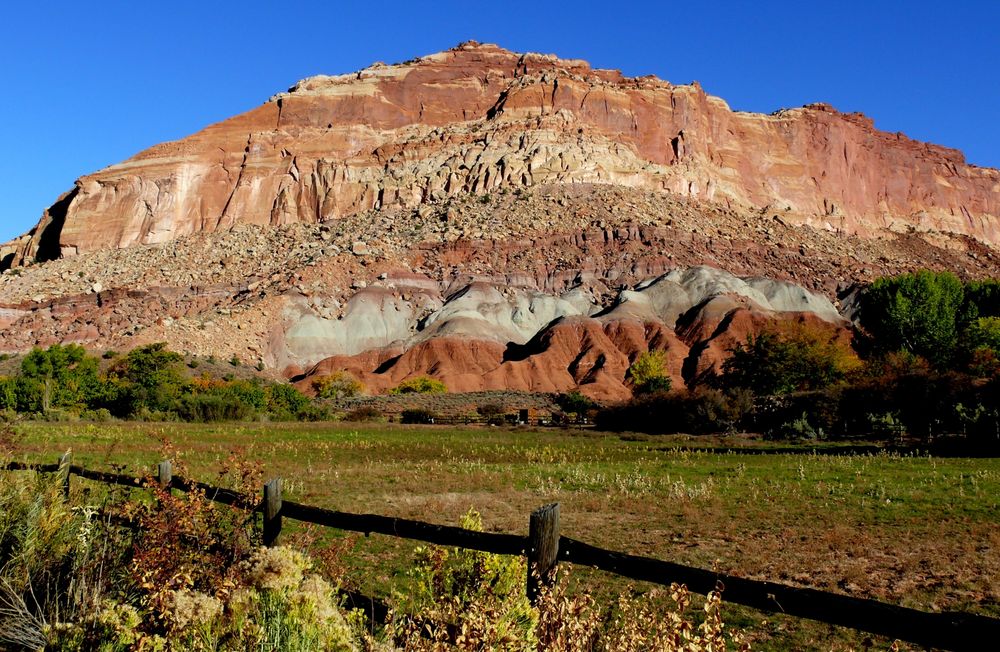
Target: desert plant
339, 384
482, 594
419, 385
364, 413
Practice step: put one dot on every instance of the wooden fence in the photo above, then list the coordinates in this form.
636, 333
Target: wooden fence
545, 547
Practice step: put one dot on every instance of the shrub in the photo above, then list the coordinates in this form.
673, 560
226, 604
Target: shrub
480, 592
313, 412
648, 372
285, 401
8, 393
797, 430
364, 413
339, 384
417, 415
492, 412
700, 411
207, 408
575, 402
984, 332
45, 547
789, 358
420, 385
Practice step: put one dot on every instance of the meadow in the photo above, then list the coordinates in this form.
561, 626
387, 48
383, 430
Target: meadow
911, 529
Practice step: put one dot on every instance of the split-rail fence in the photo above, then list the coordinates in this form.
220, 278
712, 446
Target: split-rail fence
545, 547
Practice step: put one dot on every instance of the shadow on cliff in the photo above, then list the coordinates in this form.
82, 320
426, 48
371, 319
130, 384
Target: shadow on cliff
48, 239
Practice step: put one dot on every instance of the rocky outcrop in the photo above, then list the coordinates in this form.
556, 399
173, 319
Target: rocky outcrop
488, 337
552, 288
478, 119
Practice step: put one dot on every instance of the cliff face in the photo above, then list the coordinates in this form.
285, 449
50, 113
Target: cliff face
479, 118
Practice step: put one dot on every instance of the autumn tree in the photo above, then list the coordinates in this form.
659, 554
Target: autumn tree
648, 372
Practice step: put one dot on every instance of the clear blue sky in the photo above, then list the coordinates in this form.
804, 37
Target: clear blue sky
88, 84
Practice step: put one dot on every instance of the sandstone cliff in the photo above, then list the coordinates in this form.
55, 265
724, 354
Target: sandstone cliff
498, 221
479, 118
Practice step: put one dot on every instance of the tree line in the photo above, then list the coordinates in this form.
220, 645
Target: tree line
148, 383
923, 360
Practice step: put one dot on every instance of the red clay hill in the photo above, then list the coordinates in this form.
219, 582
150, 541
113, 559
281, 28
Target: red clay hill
498, 220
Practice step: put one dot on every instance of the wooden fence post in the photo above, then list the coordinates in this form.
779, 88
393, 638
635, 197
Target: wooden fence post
272, 511
164, 473
64, 463
543, 549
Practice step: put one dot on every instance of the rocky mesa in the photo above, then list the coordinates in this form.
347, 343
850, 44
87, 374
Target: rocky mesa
478, 118
497, 220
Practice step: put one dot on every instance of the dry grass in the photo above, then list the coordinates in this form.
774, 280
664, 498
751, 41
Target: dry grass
911, 530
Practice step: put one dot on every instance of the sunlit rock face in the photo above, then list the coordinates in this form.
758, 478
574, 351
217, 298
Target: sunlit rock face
479, 118
495, 220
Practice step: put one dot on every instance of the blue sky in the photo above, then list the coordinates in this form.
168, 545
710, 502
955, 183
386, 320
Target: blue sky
84, 87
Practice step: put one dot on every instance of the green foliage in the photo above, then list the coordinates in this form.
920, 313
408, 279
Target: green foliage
8, 393
154, 371
575, 402
285, 401
248, 392
420, 385
63, 376
797, 430
982, 299
793, 358
207, 408
47, 545
648, 372
460, 586
918, 313
339, 384
63, 382
984, 332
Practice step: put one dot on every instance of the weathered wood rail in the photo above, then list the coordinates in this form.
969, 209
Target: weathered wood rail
544, 548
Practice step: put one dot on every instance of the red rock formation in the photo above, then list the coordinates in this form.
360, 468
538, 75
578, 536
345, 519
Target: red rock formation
477, 118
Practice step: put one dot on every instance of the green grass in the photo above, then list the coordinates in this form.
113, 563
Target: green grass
911, 530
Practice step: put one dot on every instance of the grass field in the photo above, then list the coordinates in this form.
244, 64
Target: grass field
912, 530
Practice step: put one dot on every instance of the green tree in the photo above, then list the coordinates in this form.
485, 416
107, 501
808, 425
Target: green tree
983, 332
795, 357
8, 393
982, 299
648, 372
154, 372
915, 312
66, 376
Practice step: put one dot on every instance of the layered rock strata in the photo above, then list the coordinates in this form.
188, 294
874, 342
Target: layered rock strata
479, 118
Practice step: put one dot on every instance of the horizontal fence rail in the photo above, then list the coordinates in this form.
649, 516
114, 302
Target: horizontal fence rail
545, 547
443, 535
